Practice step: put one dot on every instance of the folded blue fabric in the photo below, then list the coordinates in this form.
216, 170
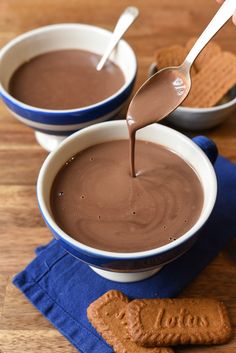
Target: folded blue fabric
61, 287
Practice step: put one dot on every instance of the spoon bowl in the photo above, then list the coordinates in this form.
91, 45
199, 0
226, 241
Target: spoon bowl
165, 91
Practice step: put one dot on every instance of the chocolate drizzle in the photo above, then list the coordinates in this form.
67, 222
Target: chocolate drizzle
154, 101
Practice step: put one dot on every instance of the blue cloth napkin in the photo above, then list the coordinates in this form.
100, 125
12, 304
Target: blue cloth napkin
61, 287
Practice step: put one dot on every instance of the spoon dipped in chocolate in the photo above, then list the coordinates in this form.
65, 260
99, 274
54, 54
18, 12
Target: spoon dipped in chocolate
166, 90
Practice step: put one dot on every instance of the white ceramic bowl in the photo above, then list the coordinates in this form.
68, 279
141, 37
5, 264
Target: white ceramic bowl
200, 118
52, 126
127, 267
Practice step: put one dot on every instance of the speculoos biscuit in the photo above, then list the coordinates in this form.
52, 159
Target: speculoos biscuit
108, 316
215, 79
169, 322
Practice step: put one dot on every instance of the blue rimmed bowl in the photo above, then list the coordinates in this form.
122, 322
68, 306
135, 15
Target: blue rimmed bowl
52, 126
135, 266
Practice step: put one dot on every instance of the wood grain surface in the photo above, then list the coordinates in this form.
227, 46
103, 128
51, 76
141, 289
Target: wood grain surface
161, 22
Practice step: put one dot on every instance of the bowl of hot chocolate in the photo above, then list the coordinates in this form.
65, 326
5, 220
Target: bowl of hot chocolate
49, 81
126, 220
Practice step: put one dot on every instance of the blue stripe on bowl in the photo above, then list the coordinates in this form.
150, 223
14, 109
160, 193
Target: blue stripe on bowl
68, 117
69, 132
86, 256
118, 263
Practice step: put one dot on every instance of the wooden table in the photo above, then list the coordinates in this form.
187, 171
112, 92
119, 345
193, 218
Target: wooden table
162, 22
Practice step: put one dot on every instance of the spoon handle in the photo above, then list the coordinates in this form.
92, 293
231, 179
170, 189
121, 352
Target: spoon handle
124, 22
225, 12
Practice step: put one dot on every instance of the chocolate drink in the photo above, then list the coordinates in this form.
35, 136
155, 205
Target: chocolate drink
65, 79
96, 201
153, 103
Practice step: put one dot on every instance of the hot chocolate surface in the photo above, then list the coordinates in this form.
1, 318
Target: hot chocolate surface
96, 201
65, 79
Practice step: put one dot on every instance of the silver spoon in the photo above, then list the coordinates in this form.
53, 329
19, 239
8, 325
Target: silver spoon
165, 91
126, 19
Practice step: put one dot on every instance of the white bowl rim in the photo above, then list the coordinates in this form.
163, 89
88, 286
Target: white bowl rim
121, 255
48, 28
200, 110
